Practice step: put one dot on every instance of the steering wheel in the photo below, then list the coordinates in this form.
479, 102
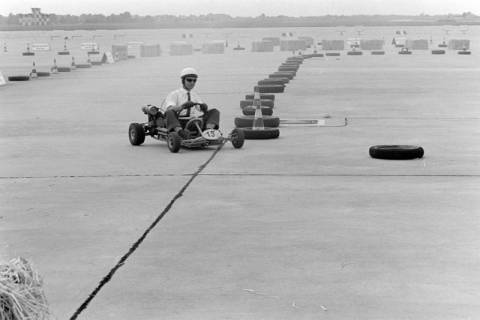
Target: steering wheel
194, 122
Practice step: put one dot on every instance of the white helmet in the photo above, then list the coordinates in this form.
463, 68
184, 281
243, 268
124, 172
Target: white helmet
188, 72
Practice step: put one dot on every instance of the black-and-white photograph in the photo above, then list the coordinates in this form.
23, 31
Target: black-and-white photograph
240, 160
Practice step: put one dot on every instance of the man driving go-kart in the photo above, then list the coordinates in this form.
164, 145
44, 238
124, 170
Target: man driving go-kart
183, 120
185, 103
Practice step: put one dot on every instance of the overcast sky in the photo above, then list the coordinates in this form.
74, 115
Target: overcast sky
243, 7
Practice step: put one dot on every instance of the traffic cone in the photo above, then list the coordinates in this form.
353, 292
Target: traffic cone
74, 66
258, 117
33, 73
54, 69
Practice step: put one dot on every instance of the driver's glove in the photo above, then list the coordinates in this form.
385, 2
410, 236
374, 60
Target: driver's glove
203, 107
188, 104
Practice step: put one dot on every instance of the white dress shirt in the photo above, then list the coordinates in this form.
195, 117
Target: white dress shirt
179, 97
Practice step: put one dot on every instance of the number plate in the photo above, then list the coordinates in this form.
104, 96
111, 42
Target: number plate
211, 134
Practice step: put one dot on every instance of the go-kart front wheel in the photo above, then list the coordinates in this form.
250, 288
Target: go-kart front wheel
237, 138
174, 142
136, 134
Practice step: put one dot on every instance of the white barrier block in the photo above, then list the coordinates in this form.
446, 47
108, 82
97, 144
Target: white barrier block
2, 79
109, 57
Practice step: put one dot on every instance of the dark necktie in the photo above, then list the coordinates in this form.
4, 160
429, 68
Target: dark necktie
188, 99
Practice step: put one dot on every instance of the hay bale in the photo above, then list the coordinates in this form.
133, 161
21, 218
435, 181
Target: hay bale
214, 47
21, 292
372, 44
418, 44
459, 44
262, 46
150, 50
292, 45
274, 40
333, 45
181, 48
308, 40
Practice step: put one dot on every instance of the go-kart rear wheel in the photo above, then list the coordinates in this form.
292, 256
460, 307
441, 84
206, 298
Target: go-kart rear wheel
136, 134
237, 138
174, 141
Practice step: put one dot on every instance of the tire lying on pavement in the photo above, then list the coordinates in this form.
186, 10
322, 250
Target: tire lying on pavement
263, 103
18, 78
267, 133
283, 74
396, 152
273, 81
84, 65
250, 111
64, 69
43, 74
287, 68
271, 88
295, 59
247, 121
262, 96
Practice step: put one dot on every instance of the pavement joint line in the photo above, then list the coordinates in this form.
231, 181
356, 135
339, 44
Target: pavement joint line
241, 174
95, 176
139, 241
337, 175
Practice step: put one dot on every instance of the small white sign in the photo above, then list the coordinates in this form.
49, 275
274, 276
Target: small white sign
91, 46
134, 44
40, 47
211, 134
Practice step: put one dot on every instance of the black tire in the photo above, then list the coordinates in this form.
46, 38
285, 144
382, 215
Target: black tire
404, 52
273, 81
43, 74
396, 152
263, 103
378, 53
295, 59
332, 54
265, 96
273, 88
287, 68
136, 134
290, 64
354, 53
283, 74
97, 63
64, 69
247, 121
174, 142
250, 111
438, 51
237, 138
18, 78
28, 53
464, 52
63, 53
267, 133
83, 65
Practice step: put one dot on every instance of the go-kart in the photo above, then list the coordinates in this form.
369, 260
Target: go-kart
197, 138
